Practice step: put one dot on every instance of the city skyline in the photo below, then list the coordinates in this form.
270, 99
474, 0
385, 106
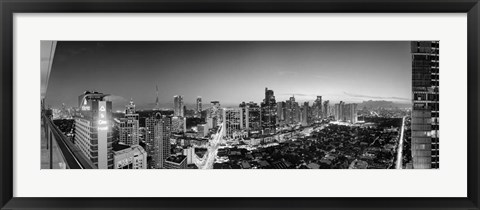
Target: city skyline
131, 70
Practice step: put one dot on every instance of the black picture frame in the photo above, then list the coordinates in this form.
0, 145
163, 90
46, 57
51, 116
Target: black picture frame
10, 7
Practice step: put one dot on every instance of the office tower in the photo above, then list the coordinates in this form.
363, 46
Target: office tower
232, 122
129, 157
199, 104
157, 103
269, 112
326, 112
178, 109
176, 162
425, 112
162, 141
150, 123
346, 112
304, 116
339, 115
215, 113
179, 124
251, 114
317, 106
350, 113
93, 133
129, 126
280, 112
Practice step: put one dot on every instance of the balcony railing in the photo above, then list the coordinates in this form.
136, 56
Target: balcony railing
57, 151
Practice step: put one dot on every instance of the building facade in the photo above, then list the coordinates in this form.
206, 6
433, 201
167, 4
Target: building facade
425, 112
161, 146
178, 109
129, 157
269, 112
93, 128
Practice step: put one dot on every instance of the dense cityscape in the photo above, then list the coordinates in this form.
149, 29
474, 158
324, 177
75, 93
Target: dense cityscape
267, 134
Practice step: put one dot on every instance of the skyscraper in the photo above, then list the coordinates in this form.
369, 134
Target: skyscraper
269, 112
93, 133
178, 109
317, 106
305, 110
232, 122
425, 112
129, 126
325, 108
162, 141
251, 114
199, 104
157, 103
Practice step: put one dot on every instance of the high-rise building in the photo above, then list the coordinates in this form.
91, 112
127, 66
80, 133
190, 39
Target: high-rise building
304, 117
199, 104
232, 122
346, 112
251, 114
317, 106
150, 123
129, 157
178, 109
326, 112
215, 112
179, 124
93, 128
280, 112
269, 112
425, 112
129, 126
162, 141
157, 103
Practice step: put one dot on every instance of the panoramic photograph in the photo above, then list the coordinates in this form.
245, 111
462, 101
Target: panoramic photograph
239, 104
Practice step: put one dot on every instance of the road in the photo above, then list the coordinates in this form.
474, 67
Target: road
208, 159
400, 146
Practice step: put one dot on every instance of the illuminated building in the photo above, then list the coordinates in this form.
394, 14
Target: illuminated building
93, 132
179, 124
150, 123
161, 143
215, 113
129, 126
129, 157
178, 108
425, 112
176, 162
317, 106
269, 112
232, 122
251, 115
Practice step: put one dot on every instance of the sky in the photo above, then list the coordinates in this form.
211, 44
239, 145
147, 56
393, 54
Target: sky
230, 71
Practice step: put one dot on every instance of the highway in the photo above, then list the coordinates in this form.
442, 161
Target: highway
400, 146
207, 161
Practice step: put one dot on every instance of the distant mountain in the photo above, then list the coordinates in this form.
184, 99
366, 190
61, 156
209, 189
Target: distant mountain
383, 104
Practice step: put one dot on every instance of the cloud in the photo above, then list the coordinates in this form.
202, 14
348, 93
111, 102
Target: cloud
376, 97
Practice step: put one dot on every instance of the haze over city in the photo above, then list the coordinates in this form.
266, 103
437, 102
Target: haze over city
230, 72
